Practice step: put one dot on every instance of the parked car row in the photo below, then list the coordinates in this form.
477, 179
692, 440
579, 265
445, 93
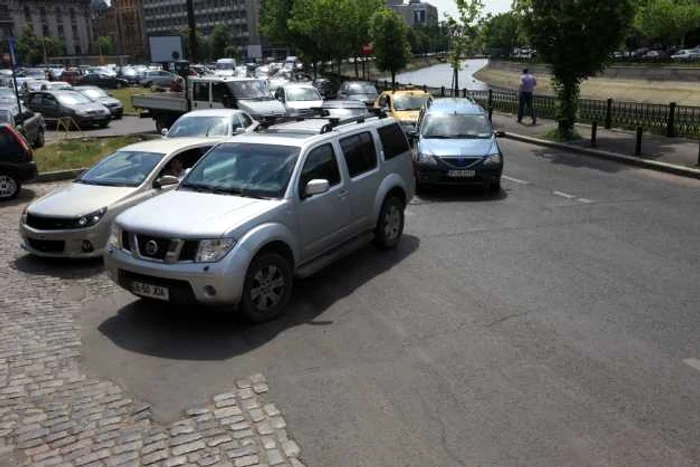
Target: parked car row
226, 212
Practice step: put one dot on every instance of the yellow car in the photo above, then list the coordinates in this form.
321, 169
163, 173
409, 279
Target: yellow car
403, 105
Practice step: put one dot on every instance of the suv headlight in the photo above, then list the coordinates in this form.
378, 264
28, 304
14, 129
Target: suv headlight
212, 250
91, 219
493, 159
115, 236
426, 159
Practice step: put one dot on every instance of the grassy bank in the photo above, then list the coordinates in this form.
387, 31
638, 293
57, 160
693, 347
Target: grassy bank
660, 92
78, 153
124, 96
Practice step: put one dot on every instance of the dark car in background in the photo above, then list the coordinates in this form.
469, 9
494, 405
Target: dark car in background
16, 162
103, 97
103, 81
328, 86
59, 104
30, 124
130, 74
358, 91
71, 76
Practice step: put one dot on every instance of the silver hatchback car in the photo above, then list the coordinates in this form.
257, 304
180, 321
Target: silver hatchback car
261, 208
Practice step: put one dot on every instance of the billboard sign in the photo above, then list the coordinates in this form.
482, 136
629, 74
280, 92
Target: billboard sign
165, 48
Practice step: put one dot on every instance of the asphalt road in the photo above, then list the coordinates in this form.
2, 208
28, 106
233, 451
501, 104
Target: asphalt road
555, 324
127, 125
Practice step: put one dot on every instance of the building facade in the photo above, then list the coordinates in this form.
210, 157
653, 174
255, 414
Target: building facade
66, 20
123, 22
170, 16
415, 12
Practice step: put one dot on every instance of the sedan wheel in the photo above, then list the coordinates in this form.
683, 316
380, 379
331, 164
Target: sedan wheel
9, 187
267, 288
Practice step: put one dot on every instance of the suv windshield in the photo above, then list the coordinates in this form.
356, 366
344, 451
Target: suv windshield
302, 94
250, 90
72, 98
199, 126
123, 168
409, 101
456, 126
245, 169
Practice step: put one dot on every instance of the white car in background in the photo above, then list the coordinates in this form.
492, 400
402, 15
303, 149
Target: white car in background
74, 220
299, 97
211, 123
687, 54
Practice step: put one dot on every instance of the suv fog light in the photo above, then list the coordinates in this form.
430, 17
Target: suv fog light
87, 246
209, 290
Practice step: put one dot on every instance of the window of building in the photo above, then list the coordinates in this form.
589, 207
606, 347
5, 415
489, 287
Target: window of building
59, 14
42, 12
74, 28
359, 152
45, 29
72, 14
77, 50
61, 33
27, 13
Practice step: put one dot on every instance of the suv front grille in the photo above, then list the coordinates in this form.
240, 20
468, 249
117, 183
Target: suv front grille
152, 247
460, 162
126, 240
50, 223
189, 250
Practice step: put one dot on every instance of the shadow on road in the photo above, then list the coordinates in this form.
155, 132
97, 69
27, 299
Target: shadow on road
580, 160
446, 194
25, 196
65, 268
199, 333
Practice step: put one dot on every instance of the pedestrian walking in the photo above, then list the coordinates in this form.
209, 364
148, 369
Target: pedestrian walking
525, 99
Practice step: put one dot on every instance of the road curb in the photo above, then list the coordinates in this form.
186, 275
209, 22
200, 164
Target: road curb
58, 175
630, 160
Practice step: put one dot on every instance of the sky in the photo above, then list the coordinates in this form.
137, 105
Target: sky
490, 6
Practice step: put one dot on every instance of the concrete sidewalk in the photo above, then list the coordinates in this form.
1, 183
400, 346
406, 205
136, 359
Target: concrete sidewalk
677, 151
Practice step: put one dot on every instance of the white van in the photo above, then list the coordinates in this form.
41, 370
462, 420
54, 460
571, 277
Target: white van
225, 67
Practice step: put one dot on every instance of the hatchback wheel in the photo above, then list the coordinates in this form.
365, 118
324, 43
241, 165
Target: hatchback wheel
9, 187
390, 224
267, 288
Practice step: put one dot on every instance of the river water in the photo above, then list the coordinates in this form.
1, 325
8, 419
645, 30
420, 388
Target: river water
441, 75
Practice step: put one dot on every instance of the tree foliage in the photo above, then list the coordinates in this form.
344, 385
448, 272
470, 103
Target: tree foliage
667, 21
29, 48
203, 47
219, 39
103, 45
390, 42
463, 32
501, 33
273, 20
576, 38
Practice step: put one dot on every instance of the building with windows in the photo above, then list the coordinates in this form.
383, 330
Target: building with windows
415, 12
170, 16
123, 22
66, 20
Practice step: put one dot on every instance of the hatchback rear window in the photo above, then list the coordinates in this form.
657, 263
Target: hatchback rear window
393, 140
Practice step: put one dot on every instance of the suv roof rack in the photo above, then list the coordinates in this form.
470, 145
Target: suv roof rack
321, 114
336, 122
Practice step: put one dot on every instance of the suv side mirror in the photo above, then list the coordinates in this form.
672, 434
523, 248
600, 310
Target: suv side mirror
164, 132
166, 180
316, 187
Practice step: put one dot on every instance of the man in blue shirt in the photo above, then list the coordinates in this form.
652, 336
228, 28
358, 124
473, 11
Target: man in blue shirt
527, 87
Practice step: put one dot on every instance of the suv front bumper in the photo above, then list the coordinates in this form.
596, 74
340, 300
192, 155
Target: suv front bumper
187, 282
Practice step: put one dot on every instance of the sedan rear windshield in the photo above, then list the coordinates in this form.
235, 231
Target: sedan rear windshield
123, 168
456, 126
409, 101
244, 169
199, 126
362, 88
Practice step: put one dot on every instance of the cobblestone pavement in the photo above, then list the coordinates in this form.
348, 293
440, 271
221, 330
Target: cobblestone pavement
52, 414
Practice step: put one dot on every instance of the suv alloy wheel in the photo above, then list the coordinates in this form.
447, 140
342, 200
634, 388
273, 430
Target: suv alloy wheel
390, 224
267, 288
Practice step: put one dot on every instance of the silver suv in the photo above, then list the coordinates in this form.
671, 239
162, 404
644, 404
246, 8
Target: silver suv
261, 208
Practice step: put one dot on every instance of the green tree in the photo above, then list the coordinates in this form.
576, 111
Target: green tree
219, 39
576, 38
274, 16
500, 34
203, 48
54, 46
357, 27
390, 42
103, 45
463, 33
667, 21
29, 48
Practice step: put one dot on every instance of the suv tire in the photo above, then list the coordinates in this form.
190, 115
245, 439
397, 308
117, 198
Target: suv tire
390, 224
10, 187
267, 287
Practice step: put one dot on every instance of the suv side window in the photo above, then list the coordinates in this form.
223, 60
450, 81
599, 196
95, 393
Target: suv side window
393, 140
36, 99
320, 164
359, 152
201, 92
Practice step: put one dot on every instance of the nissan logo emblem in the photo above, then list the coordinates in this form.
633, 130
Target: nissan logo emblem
151, 248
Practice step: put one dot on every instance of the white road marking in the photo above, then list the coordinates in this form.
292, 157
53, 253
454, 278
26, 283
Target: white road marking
693, 363
563, 195
515, 180
584, 200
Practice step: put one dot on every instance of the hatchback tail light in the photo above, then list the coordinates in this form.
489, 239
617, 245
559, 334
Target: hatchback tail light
21, 142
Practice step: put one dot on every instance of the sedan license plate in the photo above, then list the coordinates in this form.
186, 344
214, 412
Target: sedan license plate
151, 291
461, 173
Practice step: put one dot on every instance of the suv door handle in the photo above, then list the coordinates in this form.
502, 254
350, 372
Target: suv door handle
343, 193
